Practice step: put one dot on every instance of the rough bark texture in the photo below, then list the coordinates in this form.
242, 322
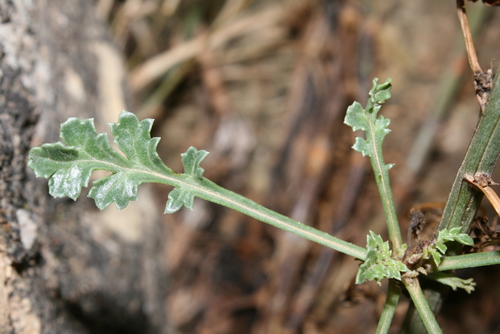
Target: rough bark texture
65, 267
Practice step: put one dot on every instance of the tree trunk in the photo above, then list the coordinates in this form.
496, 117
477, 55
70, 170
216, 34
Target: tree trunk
65, 267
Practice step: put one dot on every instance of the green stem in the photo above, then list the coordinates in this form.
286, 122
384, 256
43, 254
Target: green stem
393, 294
470, 261
384, 187
212, 192
422, 306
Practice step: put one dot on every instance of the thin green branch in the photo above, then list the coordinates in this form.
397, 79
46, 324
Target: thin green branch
214, 193
385, 191
391, 301
469, 261
422, 306
376, 128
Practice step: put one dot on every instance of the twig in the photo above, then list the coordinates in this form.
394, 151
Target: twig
469, 44
483, 80
482, 181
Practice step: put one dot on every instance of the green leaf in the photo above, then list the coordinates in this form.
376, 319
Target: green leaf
454, 235
134, 139
438, 248
436, 256
465, 239
69, 167
177, 198
378, 263
367, 120
191, 160
441, 247
453, 281
356, 117
69, 164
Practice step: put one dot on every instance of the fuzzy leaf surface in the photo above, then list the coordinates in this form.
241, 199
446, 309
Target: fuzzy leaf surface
439, 248
68, 164
378, 263
191, 160
366, 119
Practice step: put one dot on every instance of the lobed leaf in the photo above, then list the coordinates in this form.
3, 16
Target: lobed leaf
366, 119
438, 249
69, 164
454, 282
69, 167
454, 235
376, 128
177, 198
133, 138
378, 263
191, 160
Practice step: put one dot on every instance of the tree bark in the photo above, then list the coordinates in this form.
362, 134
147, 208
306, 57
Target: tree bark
65, 267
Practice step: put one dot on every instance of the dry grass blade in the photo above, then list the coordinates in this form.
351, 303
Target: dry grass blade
483, 182
469, 43
155, 67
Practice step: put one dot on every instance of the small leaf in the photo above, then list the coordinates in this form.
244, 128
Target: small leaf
116, 188
465, 239
382, 93
366, 119
69, 167
69, 164
378, 95
378, 263
454, 235
356, 117
177, 198
445, 235
436, 256
362, 146
441, 247
453, 281
191, 160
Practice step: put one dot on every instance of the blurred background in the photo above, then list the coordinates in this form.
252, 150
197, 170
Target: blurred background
264, 86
